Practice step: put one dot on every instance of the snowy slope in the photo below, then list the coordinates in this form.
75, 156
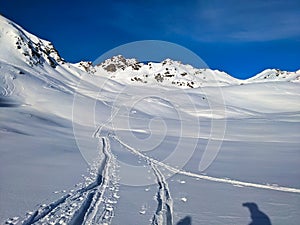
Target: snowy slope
121, 142
275, 75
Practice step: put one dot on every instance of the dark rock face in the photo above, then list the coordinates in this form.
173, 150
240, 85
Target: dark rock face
119, 62
37, 53
111, 68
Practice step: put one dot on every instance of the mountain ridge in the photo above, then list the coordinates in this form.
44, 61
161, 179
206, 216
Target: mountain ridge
20, 47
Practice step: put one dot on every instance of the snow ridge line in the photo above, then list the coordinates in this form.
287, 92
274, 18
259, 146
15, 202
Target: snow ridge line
205, 177
163, 198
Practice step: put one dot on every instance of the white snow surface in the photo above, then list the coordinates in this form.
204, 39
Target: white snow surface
69, 131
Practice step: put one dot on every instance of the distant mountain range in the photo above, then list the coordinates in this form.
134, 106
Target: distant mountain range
18, 47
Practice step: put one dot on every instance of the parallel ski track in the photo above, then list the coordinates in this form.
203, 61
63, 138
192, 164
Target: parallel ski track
205, 177
89, 211
93, 211
164, 199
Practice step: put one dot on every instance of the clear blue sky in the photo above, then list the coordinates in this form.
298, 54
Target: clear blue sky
241, 37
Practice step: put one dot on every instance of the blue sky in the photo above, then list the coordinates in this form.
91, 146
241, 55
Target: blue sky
238, 36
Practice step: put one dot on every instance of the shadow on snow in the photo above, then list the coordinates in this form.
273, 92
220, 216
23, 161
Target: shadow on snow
258, 217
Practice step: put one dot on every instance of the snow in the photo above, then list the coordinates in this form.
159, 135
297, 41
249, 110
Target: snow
81, 143
275, 75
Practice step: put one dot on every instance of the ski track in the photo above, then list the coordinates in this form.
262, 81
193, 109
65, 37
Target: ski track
88, 205
98, 197
8, 87
83, 205
205, 177
163, 198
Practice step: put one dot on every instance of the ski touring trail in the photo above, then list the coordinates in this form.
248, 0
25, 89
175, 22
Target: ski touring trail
164, 199
91, 204
94, 202
205, 177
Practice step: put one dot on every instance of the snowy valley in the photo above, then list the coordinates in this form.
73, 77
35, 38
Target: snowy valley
127, 142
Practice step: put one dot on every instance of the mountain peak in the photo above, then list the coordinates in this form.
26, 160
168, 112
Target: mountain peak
26, 47
118, 62
275, 75
166, 73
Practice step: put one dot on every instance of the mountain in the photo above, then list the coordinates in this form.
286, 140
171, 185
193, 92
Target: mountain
174, 73
166, 73
275, 75
92, 144
18, 47
17, 44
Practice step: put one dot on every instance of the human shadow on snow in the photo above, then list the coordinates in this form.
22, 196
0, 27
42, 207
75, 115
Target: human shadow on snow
258, 217
185, 221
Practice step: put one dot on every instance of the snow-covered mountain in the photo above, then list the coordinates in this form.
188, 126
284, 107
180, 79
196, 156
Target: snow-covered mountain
133, 127
166, 73
275, 75
19, 47
174, 73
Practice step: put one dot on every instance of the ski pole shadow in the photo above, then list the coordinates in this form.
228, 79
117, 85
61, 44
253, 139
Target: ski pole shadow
185, 221
258, 217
